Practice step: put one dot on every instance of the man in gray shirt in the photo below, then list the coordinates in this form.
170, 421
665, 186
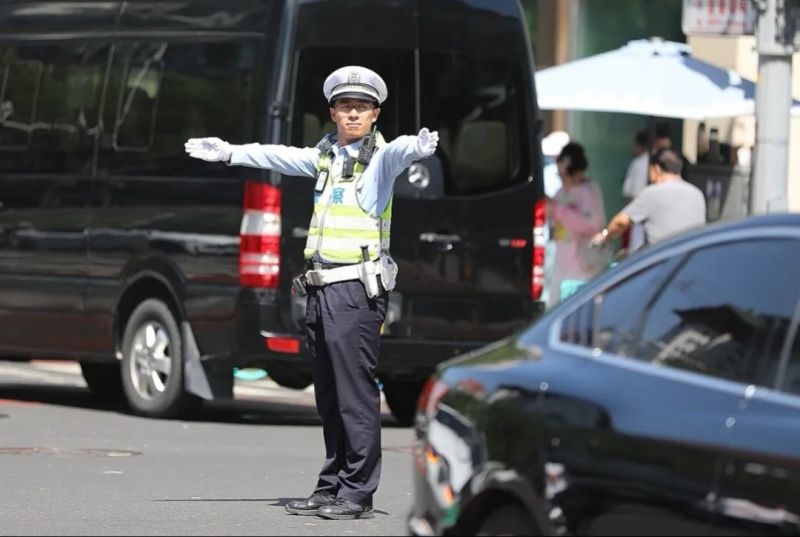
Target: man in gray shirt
667, 206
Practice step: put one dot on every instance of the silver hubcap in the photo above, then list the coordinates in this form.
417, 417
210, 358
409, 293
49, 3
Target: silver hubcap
151, 363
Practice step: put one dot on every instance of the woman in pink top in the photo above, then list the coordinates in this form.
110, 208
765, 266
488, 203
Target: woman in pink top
578, 213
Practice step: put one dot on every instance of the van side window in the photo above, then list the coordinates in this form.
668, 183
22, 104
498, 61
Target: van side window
473, 101
137, 98
726, 311
20, 82
49, 106
162, 93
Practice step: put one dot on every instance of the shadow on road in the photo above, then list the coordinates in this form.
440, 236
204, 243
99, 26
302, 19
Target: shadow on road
276, 502
238, 411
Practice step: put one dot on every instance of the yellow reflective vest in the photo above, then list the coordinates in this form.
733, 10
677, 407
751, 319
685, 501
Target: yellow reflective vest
339, 226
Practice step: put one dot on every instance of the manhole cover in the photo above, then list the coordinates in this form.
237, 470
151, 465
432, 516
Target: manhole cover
68, 452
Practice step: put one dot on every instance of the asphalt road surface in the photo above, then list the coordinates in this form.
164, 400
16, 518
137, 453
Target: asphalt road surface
73, 465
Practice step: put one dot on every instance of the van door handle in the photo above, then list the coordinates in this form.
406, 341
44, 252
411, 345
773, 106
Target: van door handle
444, 240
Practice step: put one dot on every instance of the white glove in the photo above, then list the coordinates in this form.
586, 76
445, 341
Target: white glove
210, 149
427, 142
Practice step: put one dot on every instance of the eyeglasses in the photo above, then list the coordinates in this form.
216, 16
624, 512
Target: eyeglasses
346, 106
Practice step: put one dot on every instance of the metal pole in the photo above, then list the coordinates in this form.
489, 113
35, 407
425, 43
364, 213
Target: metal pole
768, 189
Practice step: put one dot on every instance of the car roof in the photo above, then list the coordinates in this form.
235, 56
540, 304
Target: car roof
748, 223
645, 255
778, 219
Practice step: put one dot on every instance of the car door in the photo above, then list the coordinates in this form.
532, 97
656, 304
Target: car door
731, 325
631, 444
759, 490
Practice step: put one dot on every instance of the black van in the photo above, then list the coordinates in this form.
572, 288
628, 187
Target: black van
118, 250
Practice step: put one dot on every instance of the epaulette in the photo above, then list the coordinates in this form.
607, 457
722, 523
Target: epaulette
328, 141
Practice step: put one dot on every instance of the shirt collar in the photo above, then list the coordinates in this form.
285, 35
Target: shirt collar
350, 149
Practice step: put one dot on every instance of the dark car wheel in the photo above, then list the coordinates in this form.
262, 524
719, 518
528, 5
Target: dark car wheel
401, 396
152, 362
289, 379
104, 380
508, 520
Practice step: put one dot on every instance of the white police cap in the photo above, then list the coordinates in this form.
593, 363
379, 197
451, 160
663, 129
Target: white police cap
355, 82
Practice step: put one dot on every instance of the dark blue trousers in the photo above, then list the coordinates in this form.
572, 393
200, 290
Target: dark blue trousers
343, 328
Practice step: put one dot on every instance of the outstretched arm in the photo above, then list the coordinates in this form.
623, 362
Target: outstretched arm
284, 159
616, 227
402, 152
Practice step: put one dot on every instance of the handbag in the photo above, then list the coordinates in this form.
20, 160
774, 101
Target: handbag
594, 258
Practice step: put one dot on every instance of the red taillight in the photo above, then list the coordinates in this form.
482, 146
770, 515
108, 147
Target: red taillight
537, 265
260, 236
287, 345
262, 197
432, 393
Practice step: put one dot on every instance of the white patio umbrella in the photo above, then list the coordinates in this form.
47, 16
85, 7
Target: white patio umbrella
651, 77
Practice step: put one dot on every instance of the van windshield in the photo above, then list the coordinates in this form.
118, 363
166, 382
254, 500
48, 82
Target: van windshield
311, 116
475, 101
461, 68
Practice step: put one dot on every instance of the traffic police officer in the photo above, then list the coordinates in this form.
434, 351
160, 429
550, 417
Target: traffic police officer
349, 275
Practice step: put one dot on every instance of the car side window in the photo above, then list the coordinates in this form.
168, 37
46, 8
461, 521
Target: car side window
576, 327
610, 320
726, 311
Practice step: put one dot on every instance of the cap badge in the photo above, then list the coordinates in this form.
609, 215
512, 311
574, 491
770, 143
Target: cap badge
353, 77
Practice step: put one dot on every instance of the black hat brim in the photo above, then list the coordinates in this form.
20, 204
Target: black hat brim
355, 95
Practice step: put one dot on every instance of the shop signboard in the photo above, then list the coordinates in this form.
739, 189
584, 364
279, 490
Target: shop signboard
719, 17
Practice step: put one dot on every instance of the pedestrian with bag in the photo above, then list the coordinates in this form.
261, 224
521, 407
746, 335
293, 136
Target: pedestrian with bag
578, 213
349, 274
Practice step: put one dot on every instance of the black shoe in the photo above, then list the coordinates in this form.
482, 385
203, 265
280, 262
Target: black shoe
343, 509
310, 505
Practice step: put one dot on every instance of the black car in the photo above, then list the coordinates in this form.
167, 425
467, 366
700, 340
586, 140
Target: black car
661, 398
163, 273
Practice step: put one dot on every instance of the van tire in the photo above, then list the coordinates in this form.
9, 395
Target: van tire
401, 396
103, 379
152, 362
297, 380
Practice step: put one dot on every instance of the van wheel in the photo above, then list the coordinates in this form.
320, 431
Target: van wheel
103, 379
289, 379
401, 396
152, 362
508, 520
